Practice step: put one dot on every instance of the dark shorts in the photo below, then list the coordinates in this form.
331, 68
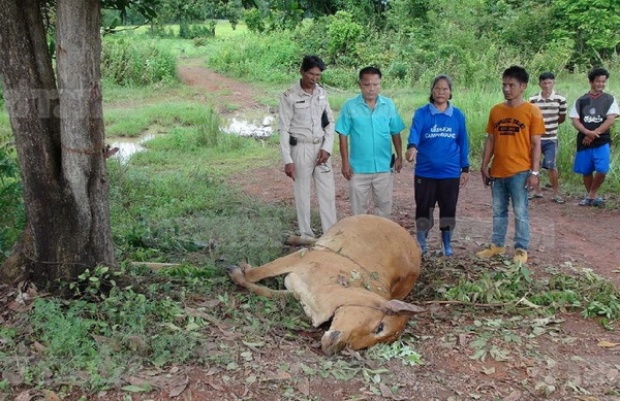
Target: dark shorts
549, 151
596, 159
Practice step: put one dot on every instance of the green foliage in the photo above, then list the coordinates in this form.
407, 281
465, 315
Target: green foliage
255, 20
271, 59
399, 349
513, 286
592, 24
92, 340
189, 31
136, 62
553, 56
343, 34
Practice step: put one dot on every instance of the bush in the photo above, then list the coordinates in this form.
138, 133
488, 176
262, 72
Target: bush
270, 59
343, 34
187, 31
137, 63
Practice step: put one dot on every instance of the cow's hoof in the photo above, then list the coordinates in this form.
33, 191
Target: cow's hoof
231, 268
245, 267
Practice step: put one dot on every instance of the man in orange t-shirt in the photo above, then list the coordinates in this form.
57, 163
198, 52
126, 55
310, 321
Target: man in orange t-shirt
512, 148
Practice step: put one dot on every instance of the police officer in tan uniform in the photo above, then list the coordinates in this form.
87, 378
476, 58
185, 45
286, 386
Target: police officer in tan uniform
306, 142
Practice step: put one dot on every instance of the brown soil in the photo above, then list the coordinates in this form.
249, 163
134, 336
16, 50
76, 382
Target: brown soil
563, 360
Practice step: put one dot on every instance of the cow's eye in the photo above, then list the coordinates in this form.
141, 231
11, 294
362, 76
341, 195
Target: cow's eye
379, 328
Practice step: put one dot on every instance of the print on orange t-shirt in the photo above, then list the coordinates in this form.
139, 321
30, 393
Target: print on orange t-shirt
512, 128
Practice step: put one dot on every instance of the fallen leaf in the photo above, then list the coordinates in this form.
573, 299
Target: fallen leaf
214, 385
50, 395
39, 347
15, 379
385, 391
176, 391
488, 371
303, 386
24, 396
607, 344
279, 375
134, 389
253, 345
514, 396
463, 340
138, 382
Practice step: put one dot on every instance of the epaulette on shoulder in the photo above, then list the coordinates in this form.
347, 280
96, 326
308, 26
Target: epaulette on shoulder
288, 92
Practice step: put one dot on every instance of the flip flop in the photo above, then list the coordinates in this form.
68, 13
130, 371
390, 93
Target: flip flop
586, 202
558, 199
534, 196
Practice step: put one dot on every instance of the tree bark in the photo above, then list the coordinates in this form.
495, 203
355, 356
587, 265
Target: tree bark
59, 138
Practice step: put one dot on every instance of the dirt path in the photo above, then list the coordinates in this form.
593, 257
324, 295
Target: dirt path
561, 235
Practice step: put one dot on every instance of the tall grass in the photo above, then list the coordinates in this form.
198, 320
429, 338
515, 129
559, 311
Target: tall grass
130, 62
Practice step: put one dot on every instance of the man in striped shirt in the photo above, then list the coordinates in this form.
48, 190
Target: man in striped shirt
553, 107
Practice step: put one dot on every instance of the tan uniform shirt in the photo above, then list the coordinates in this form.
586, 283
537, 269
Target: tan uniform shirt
300, 116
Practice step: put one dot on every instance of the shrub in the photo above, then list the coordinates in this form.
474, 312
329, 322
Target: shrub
343, 34
136, 62
270, 59
187, 31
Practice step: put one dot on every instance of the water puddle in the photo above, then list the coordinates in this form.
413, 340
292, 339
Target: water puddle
257, 127
127, 147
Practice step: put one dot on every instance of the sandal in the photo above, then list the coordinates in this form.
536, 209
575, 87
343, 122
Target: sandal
558, 199
534, 196
586, 202
598, 202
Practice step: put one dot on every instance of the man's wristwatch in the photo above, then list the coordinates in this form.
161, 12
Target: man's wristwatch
535, 173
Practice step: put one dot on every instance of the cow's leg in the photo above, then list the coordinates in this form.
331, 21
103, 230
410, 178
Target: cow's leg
246, 276
280, 266
239, 277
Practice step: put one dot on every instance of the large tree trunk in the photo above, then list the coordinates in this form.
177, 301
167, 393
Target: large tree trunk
59, 138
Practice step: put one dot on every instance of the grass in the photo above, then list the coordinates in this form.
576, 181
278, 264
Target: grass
131, 122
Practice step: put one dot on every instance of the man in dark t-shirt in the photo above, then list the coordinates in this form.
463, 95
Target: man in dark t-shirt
593, 114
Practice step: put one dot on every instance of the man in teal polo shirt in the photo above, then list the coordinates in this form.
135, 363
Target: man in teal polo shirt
373, 124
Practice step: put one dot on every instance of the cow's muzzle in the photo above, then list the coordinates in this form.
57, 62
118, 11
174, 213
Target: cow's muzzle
330, 343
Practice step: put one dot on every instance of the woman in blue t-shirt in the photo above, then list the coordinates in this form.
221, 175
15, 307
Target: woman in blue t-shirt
439, 147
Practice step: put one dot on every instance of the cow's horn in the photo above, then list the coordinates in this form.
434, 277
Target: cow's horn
398, 306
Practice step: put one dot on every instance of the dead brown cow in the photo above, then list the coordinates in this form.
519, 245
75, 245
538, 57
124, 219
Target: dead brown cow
356, 274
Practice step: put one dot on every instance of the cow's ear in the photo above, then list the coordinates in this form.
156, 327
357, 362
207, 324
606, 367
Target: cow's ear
395, 306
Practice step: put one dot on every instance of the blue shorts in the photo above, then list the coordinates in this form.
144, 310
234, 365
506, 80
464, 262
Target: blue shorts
548, 150
596, 159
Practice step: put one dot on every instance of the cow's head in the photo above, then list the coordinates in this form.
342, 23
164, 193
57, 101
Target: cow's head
359, 326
